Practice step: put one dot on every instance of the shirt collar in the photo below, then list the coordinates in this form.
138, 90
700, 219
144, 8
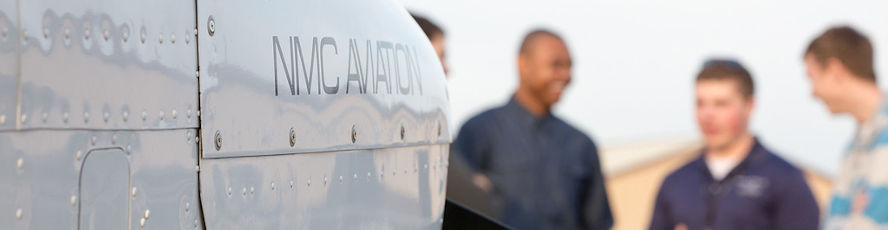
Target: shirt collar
524, 116
870, 129
755, 155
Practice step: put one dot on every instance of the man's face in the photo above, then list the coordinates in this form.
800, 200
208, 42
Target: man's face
824, 85
438, 44
545, 69
722, 112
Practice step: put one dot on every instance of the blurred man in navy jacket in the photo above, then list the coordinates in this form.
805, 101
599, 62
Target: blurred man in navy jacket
736, 183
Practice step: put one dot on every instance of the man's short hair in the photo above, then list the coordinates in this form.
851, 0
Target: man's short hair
428, 27
848, 46
725, 69
534, 35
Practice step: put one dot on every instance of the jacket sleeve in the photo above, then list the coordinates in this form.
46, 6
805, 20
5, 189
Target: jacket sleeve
471, 144
795, 205
596, 207
662, 218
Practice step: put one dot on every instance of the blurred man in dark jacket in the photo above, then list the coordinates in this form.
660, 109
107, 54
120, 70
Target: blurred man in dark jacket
545, 174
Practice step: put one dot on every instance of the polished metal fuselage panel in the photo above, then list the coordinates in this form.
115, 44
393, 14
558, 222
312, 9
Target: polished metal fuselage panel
341, 75
172, 114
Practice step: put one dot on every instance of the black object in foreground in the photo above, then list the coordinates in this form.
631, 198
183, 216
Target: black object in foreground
457, 216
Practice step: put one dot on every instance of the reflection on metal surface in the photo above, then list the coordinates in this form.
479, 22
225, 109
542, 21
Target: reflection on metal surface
93, 112
101, 79
341, 82
48, 191
403, 201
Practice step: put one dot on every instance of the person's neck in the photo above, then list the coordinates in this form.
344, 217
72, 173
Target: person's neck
865, 99
531, 103
737, 150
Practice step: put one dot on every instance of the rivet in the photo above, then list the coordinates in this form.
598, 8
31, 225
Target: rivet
45, 33
2, 119
67, 33
291, 183
195, 224
85, 117
173, 113
172, 39
161, 114
340, 179
211, 26
45, 117
124, 35
368, 175
142, 36
309, 182
114, 139
194, 32
402, 132
77, 155
142, 222
125, 115
129, 148
187, 38
144, 115
325, 179
292, 137
134, 192
160, 38
229, 191
19, 163
244, 191
187, 206
197, 73
147, 213
196, 167
188, 136
218, 140
65, 117
355, 177
18, 214
188, 113
73, 199
105, 116
86, 33
92, 141
354, 134
106, 35
273, 187
24, 118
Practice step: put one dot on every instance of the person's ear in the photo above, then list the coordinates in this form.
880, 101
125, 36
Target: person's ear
522, 65
835, 70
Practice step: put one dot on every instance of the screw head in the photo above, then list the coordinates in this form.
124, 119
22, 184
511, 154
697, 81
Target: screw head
354, 134
292, 137
218, 140
403, 131
211, 26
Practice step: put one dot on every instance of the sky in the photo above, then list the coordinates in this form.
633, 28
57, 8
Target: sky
634, 63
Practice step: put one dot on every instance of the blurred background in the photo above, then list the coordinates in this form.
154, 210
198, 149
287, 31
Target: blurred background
634, 63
